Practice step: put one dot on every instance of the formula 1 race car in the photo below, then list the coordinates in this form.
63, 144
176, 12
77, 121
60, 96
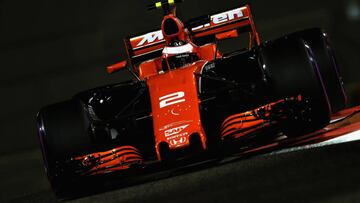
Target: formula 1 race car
190, 99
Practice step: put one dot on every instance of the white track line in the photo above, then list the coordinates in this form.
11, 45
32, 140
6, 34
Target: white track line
350, 137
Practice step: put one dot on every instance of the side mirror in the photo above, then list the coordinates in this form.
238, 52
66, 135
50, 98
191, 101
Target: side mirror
116, 67
227, 35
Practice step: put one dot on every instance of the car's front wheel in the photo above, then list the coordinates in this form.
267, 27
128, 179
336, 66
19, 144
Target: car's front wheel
63, 133
323, 52
292, 70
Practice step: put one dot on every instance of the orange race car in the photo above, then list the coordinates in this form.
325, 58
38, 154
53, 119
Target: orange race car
191, 99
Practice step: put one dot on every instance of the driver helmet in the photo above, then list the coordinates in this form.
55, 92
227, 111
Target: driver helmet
178, 54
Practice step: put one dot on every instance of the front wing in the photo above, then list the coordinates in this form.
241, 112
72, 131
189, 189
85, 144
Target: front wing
344, 122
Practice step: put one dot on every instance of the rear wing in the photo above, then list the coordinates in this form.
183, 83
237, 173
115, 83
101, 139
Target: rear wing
205, 29
146, 46
239, 19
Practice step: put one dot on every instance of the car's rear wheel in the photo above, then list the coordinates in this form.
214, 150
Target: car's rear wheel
63, 134
292, 70
321, 47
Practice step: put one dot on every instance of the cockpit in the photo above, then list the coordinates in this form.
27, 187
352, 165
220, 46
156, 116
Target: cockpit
178, 54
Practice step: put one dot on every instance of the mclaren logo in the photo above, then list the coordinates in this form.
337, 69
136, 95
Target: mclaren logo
150, 38
222, 18
227, 16
174, 131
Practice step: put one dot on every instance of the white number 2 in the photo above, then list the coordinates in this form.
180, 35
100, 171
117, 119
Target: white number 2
171, 99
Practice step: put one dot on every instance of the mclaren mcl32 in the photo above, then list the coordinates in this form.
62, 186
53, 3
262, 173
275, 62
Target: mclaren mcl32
189, 98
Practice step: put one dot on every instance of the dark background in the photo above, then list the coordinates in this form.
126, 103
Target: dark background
51, 49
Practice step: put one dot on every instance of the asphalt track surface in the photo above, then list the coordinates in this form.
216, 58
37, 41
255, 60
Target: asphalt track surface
329, 173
